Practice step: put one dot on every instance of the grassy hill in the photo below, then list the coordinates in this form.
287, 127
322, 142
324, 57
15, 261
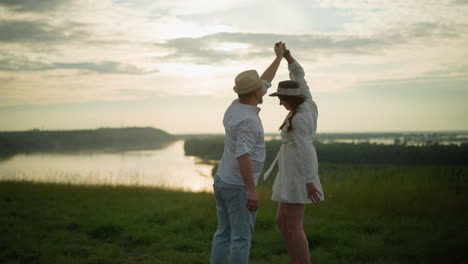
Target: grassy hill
371, 214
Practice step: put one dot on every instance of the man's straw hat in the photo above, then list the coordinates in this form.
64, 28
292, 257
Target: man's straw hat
248, 81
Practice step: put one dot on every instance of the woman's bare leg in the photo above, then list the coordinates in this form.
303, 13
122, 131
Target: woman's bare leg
298, 247
281, 218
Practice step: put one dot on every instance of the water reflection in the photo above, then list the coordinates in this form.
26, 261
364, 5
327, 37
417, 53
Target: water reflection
166, 168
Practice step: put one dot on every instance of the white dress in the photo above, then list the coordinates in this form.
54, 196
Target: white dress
297, 157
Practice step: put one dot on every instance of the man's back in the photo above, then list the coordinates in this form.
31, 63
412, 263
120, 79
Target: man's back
244, 134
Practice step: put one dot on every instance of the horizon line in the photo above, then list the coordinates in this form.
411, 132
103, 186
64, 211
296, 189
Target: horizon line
269, 133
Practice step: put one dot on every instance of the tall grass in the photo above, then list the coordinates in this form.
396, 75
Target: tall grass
372, 214
404, 189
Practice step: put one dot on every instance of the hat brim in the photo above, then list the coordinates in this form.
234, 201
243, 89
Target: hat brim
278, 94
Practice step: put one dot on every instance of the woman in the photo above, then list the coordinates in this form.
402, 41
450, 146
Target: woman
297, 182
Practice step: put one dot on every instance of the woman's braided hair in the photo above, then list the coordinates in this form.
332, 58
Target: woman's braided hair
294, 101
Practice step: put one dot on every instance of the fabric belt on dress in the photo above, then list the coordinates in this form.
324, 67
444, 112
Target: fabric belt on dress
273, 165
283, 196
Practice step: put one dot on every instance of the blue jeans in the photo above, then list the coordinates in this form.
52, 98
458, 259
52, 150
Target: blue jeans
235, 224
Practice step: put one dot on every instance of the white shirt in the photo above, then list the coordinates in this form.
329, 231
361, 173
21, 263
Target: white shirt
244, 135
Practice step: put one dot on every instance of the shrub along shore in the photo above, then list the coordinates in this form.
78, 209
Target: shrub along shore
359, 153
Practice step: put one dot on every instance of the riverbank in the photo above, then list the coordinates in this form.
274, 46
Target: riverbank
372, 214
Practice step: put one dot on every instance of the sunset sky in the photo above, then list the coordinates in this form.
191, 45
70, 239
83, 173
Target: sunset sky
399, 65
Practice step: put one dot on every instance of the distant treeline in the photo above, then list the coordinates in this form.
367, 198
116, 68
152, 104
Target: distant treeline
417, 136
363, 153
78, 140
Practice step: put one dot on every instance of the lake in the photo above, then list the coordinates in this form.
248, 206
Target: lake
165, 168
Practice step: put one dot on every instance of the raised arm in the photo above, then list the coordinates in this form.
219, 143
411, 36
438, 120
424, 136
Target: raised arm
287, 55
296, 72
270, 72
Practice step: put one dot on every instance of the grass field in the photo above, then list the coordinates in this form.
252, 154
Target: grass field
372, 214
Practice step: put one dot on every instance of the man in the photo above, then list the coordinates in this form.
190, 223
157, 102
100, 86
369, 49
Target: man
240, 167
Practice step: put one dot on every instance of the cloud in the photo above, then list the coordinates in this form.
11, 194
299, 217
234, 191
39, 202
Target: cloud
20, 63
183, 7
452, 74
186, 39
461, 71
6, 80
34, 32
204, 50
33, 5
12, 64
434, 30
460, 2
105, 67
